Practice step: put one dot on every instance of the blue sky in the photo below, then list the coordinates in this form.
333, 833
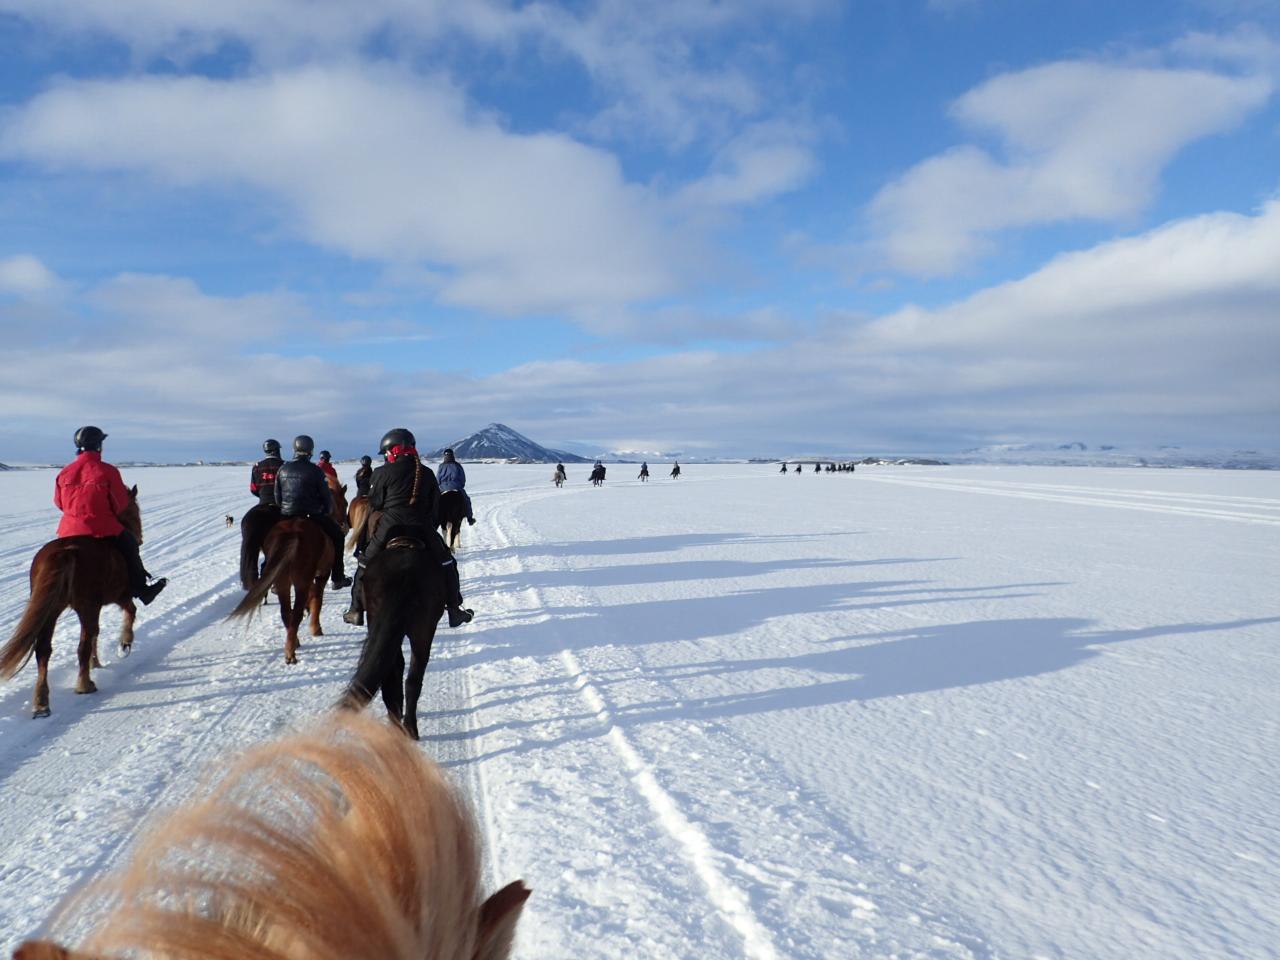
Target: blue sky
723, 228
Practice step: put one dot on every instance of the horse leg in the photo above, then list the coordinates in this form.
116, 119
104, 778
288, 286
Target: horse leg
317, 601
285, 597
40, 698
126, 629
88, 642
421, 634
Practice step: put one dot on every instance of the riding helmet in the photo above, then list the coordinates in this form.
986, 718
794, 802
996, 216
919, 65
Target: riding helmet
271, 447
89, 438
366, 461
399, 437
325, 455
303, 445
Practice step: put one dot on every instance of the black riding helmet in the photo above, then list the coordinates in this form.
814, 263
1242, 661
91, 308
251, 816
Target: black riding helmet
325, 455
366, 461
271, 447
398, 437
303, 446
90, 438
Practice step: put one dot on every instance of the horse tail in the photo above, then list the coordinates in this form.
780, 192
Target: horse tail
399, 588
280, 561
50, 595
357, 531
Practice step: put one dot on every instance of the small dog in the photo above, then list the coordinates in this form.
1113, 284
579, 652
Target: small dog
231, 521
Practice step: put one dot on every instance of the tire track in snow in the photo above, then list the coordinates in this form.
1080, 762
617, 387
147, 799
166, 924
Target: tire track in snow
1029, 492
729, 900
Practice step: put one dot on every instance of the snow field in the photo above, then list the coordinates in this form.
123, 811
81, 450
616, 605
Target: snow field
910, 712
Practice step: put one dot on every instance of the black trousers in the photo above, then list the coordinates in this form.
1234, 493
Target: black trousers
334, 532
132, 560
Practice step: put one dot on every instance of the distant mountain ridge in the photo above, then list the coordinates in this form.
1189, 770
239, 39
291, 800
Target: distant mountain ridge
497, 441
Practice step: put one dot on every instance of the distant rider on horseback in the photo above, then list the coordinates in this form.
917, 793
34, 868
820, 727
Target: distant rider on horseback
453, 479
329, 469
405, 492
262, 479
301, 491
363, 476
643, 475
90, 494
255, 524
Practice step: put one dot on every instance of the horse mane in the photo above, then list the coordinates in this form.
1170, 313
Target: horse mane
339, 843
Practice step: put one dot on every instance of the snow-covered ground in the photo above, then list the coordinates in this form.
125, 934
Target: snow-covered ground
944, 712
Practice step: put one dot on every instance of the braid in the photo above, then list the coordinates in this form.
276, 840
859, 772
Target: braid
417, 479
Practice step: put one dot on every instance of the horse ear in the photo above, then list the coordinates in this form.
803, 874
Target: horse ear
133, 492
498, 916
344, 489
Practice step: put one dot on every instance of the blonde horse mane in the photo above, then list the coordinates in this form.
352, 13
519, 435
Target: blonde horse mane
340, 843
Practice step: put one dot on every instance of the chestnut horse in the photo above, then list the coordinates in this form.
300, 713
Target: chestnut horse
343, 842
338, 507
299, 558
357, 520
85, 574
404, 591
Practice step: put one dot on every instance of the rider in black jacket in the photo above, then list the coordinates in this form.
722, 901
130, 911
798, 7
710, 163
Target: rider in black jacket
255, 524
406, 493
363, 476
303, 491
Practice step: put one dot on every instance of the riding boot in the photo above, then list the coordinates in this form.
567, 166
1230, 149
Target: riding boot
338, 576
355, 614
138, 586
458, 614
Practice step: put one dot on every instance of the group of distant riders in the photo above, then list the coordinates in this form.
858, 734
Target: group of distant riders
91, 494
598, 472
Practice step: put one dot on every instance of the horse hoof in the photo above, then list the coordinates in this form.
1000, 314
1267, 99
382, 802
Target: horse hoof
89, 687
290, 659
126, 649
39, 713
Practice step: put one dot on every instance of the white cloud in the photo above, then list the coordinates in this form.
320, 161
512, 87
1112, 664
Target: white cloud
378, 164
1168, 336
1079, 140
765, 160
26, 277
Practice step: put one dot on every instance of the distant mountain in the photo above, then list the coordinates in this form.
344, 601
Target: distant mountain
497, 441
1077, 453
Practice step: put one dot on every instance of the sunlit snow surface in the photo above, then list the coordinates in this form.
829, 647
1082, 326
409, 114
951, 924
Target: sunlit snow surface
945, 712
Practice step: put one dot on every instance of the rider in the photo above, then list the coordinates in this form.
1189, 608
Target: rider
301, 491
363, 476
644, 471
453, 479
259, 520
329, 469
90, 494
675, 469
406, 493
262, 479
560, 470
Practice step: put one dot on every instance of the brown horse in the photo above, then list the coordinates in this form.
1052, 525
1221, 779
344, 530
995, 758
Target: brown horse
338, 503
357, 520
404, 591
452, 513
299, 558
341, 843
85, 574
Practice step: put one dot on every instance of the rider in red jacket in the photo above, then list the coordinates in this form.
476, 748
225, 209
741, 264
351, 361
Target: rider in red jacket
90, 494
329, 469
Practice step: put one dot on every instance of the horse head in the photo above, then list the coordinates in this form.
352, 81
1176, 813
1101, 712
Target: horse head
131, 517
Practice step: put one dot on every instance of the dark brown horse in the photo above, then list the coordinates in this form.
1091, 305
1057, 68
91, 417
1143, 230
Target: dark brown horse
404, 592
85, 574
452, 513
299, 558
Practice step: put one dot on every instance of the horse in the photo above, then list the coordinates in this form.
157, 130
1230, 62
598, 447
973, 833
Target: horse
338, 503
342, 842
452, 513
299, 558
557, 478
404, 592
357, 520
597, 475
85, 574
675, 472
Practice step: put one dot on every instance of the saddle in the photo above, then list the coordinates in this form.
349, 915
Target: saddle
401, 537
